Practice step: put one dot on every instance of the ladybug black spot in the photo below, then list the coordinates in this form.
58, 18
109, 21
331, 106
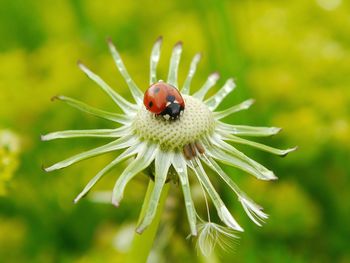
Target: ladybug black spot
150, 104
170, 98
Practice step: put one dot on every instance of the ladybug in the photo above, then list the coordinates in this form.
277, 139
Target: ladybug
165, 100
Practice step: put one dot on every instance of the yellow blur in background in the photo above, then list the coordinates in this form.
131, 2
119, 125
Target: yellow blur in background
293, 57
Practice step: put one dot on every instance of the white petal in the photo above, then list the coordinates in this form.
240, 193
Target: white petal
242, 106
162, 163
155, 55
142, 161
214, 101
233, 151
135, 91
120, 143
223, 212
244, 130
228, 159
120, 118
253, 210
259, 145
228, 219
125, 106
126, 154
181, 168
193, 67
211, 81
174, 64
109, 133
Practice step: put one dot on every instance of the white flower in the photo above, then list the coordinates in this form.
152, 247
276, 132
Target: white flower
198, 136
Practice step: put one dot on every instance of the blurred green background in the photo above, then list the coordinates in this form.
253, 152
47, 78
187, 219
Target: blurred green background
293, 57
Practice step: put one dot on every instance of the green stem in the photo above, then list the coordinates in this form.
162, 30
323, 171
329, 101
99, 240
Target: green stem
142, 243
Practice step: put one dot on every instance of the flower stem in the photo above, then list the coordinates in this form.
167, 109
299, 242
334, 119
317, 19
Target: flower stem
142, 244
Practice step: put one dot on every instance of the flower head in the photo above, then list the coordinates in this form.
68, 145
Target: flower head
182, 145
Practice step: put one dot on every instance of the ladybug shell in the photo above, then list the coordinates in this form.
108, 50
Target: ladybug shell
162, 98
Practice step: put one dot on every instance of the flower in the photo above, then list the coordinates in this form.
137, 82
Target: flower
198, 137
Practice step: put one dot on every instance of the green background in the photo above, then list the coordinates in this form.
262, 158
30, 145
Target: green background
293, 57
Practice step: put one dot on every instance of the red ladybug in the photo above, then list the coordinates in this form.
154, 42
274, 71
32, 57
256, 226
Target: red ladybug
165, 100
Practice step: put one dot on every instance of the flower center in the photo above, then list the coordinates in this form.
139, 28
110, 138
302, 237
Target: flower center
196, 121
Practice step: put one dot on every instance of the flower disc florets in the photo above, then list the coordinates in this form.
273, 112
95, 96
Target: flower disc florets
196, 122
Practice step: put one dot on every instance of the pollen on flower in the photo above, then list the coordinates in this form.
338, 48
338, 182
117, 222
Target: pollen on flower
196, 122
